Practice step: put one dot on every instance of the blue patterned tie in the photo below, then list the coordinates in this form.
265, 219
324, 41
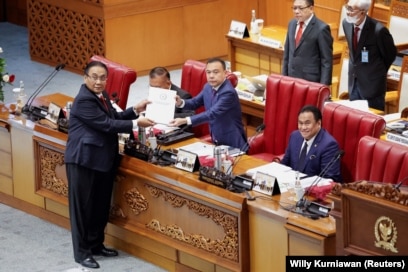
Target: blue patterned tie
302, 158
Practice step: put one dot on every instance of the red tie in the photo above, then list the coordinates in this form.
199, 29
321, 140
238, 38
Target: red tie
355, 37
103, 101
299, 33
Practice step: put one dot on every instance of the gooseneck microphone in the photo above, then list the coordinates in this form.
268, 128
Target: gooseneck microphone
303, 202
240, 182
39, 111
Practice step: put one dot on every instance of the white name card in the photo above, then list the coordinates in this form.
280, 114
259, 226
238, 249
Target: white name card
269, 42
245, 95
238, 30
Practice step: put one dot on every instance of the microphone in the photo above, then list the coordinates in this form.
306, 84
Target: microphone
398, 185
240, 181
40, 111
303, 203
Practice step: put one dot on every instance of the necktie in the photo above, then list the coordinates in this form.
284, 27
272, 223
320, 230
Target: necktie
355, 37
299, 33
103, 102
302, 158
214, 92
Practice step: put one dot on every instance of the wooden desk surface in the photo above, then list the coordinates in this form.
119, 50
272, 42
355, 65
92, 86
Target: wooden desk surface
279, 33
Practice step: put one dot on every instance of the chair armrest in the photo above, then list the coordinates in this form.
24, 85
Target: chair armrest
257, 144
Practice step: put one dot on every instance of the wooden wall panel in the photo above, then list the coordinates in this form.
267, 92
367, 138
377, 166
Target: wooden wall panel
146, 40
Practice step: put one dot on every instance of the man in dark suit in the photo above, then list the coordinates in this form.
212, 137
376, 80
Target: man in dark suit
159, 77
308, 51
92, 158
318, 145
371, 50
222, 107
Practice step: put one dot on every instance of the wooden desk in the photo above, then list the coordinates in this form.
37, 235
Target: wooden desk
252, 115
162, 214
252, 58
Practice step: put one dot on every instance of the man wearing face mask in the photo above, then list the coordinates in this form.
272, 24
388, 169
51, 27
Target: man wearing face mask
371, 53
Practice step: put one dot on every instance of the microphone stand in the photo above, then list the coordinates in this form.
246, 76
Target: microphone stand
240, 181
222, 179
303, 203
28, 109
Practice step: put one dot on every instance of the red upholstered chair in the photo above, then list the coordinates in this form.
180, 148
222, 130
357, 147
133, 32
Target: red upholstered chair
382, 161
285, 96
193, 79
120, 77
348, 126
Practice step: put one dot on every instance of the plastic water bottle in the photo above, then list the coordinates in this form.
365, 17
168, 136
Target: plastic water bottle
299, 191
22, 88
254, 27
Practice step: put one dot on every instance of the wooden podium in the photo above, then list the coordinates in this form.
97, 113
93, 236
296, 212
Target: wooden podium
371, 219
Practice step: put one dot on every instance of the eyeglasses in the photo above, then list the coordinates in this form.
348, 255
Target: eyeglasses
351, 9
300, 8
95, 78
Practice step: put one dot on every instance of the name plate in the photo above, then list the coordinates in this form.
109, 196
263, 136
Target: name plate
397, 138
187, 161
269, 42
245, 95
266, 184
238, 30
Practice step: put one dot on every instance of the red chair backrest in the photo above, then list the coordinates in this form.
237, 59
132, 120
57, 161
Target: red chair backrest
348, 126
382, 161
120, 77
285, 96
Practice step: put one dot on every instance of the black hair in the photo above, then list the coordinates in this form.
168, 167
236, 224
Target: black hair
159, 71
93, 64
212, 60
313, 109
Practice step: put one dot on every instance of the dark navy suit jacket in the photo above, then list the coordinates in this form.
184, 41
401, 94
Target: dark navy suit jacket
322, 151
180, 112
93, 131
222, 113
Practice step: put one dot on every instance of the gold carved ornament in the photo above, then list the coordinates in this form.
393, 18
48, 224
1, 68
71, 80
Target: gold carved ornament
385, 234
50, 160
227, 247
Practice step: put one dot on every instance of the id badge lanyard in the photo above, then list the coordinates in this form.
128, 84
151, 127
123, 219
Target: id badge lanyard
364, 55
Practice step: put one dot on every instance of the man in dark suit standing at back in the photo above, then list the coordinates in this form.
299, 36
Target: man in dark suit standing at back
308, 51
372, 51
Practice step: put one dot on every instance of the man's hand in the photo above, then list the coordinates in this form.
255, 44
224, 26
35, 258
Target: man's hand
141, 106
179, 101
178, 122
145, 122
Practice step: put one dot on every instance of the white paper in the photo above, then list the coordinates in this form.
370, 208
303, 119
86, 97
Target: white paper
201, 149
161, 110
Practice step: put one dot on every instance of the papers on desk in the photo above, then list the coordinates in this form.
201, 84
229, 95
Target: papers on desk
286, 176
161, 110
355, 104
201, 149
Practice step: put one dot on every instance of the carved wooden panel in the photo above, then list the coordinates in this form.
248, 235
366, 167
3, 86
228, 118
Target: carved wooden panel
50, 176
63, 35
180, 219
